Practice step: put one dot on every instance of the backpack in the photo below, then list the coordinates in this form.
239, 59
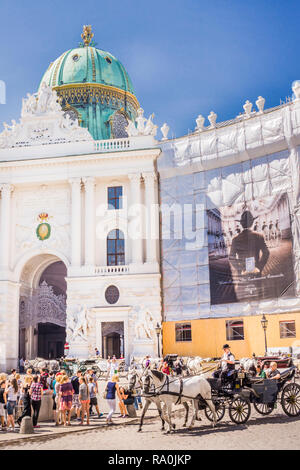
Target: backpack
43, 381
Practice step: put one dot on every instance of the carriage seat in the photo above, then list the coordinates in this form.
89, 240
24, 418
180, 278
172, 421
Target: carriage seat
288, 373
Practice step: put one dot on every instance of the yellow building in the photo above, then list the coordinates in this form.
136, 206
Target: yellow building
245, 335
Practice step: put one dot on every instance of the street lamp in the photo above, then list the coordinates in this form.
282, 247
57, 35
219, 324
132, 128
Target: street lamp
264, 324
158, 331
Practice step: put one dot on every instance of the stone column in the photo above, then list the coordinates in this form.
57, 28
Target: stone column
152, 217
6, 190
90, 227
135, 212
76, 222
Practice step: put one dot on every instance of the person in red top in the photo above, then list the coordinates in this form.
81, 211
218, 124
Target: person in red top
166, 369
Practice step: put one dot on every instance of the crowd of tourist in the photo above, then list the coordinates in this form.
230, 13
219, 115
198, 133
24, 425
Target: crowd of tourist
76, 396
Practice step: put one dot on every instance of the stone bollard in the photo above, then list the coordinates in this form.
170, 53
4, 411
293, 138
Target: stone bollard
131, 411
26, 426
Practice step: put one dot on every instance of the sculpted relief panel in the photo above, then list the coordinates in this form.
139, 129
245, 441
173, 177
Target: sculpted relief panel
42, 219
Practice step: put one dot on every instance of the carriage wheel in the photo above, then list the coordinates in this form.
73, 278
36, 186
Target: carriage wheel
290, 399
263, 408
239, 410
220, 411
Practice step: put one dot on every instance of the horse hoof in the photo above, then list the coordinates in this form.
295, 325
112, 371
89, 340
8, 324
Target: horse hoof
190, 428
139, 430
184, 425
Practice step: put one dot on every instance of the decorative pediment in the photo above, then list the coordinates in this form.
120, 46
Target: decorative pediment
42, 122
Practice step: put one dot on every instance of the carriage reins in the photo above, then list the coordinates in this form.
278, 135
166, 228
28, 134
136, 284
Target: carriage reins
167, 382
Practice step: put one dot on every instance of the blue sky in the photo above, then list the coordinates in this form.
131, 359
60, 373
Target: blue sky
185, 57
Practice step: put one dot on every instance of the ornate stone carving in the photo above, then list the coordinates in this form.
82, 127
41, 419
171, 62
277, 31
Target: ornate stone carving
212, 119
165, 130
247, 108
144, 323
200, 123
144, 126
296, 89
42, 122
78, 324
260, 103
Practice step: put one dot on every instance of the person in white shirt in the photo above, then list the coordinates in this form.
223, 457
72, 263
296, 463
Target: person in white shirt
227, 364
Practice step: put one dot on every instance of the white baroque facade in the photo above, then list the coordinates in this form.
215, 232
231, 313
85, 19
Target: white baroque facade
59, 182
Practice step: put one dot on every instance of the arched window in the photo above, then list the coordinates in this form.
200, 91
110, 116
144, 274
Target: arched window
115, 248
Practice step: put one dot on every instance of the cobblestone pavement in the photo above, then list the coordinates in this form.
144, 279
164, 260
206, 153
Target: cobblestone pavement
276, 431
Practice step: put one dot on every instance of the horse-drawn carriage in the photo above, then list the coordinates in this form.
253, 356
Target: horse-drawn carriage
86, 364
70, 365
240, 390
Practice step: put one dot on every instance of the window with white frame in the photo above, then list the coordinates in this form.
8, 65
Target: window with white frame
114, 197
234, 330
183, 332
115, 248
287, 329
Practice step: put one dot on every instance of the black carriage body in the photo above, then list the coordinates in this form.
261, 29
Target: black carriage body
241, 389
265, 391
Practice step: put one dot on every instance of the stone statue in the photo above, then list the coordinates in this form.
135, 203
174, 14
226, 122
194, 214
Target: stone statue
44, 97
131, 129
70, 326
140, 120
29, 105
150, 128
144, 326
81, 326
54, 104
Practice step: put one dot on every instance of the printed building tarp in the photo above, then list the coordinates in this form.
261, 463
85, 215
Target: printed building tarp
250, 250
190, 277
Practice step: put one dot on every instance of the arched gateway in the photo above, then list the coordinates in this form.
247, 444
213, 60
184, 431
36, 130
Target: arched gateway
42, 307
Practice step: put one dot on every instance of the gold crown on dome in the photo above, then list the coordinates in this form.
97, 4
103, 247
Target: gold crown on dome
87, 35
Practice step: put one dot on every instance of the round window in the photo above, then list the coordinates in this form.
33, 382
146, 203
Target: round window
112, 295
108, 60
75, 57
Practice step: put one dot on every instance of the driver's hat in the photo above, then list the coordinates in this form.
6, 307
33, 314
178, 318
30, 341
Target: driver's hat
225, 346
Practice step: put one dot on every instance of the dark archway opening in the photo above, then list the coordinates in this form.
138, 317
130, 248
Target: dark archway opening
51, 340
113, 345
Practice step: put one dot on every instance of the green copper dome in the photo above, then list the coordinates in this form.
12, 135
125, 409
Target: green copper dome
94, 87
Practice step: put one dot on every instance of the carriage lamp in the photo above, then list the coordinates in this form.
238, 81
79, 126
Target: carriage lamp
158, 331
264, 324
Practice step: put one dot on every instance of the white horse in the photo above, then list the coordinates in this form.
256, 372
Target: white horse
248, 364
135, 376
178, 390
194, 365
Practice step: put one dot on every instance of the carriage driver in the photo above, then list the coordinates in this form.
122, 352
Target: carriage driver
227, 364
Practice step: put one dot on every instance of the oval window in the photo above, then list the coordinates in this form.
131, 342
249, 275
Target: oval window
112, 295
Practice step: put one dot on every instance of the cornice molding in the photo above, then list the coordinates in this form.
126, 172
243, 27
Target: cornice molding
88, 91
